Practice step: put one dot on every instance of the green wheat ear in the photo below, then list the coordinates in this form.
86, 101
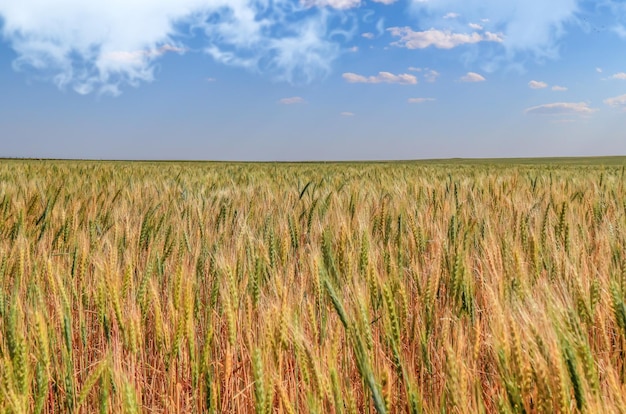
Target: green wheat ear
259, 386
130, 404
619, 308
91, 380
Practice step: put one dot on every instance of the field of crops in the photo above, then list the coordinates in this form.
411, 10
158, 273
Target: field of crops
322, 288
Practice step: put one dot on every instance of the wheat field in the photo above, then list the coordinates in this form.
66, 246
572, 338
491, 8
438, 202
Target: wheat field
312, 288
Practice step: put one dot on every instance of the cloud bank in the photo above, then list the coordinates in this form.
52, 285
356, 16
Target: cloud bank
99, 45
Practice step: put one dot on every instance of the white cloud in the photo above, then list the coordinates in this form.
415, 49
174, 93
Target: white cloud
419, 100
620, 76
382, 77
136, 57
619, 30
211, 80
335, 4
347, 114
475, 26
368, 35
533, 84
385, 1
451, 15
99, 45
430, 75
561, 108
472, 77
292, 101
526, 25
441, 39
599, 70
557, 88
616, 102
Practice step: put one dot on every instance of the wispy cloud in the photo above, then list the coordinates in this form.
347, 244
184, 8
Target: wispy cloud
292, 101
616, 102
557, 88
475, 26
619, 30
430, 75
135, 57
472, 77
368, 35
382, 77
620, 76
441, 39
533, 84
526, 25
451, 15
336, 4
347, 114
561, 108
100, 45
419, 100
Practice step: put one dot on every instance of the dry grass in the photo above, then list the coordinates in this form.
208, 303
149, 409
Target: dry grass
336, 288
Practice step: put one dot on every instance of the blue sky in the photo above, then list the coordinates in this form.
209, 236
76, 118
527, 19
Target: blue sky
312, 79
